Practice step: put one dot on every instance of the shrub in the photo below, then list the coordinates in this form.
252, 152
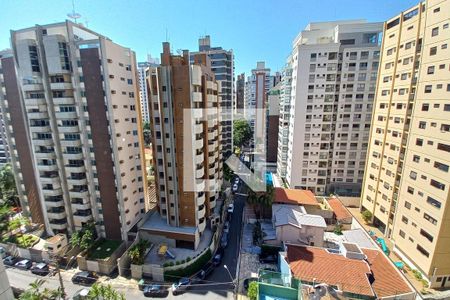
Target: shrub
252, 292
188, 259
367, 216
417, 275
174, 275
177, 262
166, 264
338, 229
171, 264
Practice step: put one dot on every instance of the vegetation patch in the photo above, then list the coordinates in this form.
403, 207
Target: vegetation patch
175, 275
137, 252
102, 249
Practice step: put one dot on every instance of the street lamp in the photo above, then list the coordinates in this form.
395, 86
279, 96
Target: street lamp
232, 280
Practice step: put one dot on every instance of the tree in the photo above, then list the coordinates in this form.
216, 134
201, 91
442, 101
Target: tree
137, 251
367, 216
252, 292
227, 172
8, 190
35, 292
85, 237
147, 134
338, 229
104, 292
5, 213
242, 132
17, 223
261, 201
87, 240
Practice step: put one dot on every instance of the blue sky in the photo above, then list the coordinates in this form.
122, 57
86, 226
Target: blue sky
254, 29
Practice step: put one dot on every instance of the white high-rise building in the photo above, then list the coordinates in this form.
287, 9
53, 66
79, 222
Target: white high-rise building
141, 67
334, 71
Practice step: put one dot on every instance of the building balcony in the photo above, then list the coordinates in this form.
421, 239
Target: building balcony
199, 173
56, 202
197, 113
200, 185
58, 226
80, 205
201, 225
38, 115
212, 135
52, 192
56, 213
66, 115
40, 129
42, 142
61, 85
71, 143
45, 154
68, 129
212, 146
43, 167
71, 155
212, 203
53, 179
75, 168
82, 216
28, 87
64, 101
211, 171
211, 159
76, 180
197, 97
35, 101
201, 199
79, 193
198, 128
198, 144
201, 211
199, 159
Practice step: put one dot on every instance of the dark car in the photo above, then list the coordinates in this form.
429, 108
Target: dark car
247, 282
155, 290
181, 286
203, 273
224, 240
270, 259
40, 269
23, 264
217, 260
9, 260
84, 277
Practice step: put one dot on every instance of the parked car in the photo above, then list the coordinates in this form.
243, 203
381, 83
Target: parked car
9, 260
24, 264
84, 277
247, 282
224, 240
226, 227
270, 259
181, 286
236, 181
230, 208
217, 260
203, 273
235, 188
155, 290
40, 269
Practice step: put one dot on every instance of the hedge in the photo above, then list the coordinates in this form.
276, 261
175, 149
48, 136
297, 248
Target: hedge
174, 275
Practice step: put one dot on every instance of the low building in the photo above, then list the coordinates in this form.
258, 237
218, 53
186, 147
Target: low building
350, 272
293, 224
56, 244
341, 215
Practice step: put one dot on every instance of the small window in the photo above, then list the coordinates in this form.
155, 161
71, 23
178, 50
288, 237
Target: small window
430, 70
428, 89
425, 107
435, 31
433, 51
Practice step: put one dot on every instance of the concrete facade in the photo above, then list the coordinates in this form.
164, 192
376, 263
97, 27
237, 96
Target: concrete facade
406, 185
334, 69
66, 74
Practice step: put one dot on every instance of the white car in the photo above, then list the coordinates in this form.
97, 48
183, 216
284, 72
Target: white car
235, 188
236, 181
226, 227
230, 208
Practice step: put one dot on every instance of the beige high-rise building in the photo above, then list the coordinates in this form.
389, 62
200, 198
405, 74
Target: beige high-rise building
407, 182
72, 104
186, 137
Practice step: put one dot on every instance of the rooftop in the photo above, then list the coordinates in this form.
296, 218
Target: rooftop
157, 223
339, 209
297, 197
349, 275
296, 216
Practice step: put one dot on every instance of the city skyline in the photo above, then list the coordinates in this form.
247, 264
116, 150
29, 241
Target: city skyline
167, 21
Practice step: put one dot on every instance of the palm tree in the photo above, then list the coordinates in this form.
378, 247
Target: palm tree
35, 293
104, 292
261, 201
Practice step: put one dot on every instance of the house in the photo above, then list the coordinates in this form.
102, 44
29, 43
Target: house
305, 198
340, 213
348, 272
293, 224
56, 244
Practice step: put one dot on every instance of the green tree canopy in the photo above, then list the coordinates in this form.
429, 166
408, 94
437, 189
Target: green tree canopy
242, 132
8, 191
35, 292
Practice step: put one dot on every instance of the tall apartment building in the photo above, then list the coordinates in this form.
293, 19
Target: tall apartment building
407, 183
73, 122
141, 67
222, 65
240, 91
188, 149
255, 97
272, 125
4, 149
334, 71
284, 118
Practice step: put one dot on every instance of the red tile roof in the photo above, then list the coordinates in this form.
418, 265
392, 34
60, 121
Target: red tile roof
339, 209
349, 275
388, 280
297, 197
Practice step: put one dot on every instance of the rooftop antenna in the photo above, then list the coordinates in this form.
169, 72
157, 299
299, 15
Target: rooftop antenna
86, 21
74, 15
